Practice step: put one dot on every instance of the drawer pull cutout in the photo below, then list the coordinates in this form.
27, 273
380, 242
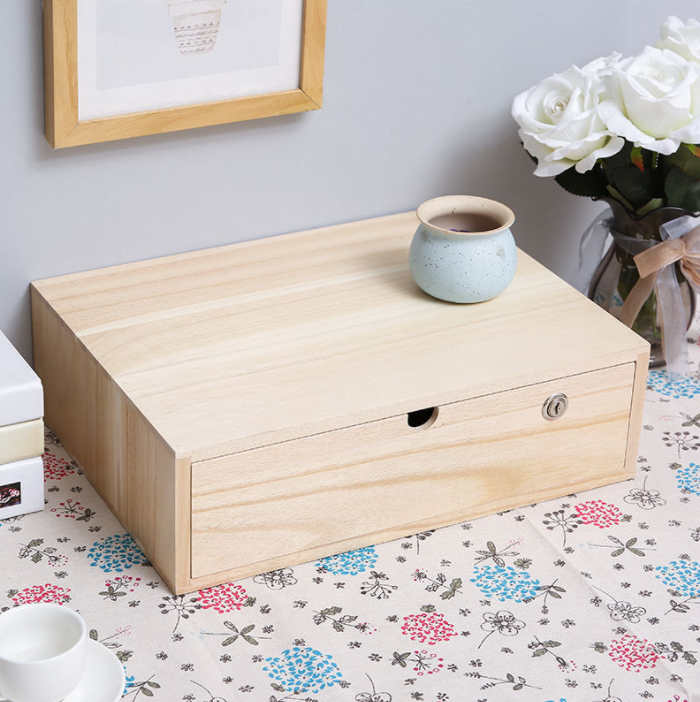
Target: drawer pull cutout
422, 417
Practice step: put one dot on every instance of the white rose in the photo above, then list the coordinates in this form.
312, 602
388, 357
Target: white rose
560, 125
682, 39
654, 101
603, 66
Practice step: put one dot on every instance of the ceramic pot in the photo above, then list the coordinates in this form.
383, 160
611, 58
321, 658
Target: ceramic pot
463, 249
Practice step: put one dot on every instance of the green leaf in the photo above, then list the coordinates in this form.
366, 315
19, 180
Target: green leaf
35, 542
590, 184
686, 161
555, 595
676, 646
251, 640
631, 542
230, 640
447, 595
330, 611
510, 677
558, 589
551, 644
617, 552
146, 692
93, 634
400, 658
491, 546
637, 552
250, 601
456, 583
653, 204
427, 608
615, 194
338, 626
247, 629
689, 658
539, 652
37, 556
677, 186
153, 684
637, 187
637, 157
519, 686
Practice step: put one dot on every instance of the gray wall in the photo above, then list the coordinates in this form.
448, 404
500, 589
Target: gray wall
417, 104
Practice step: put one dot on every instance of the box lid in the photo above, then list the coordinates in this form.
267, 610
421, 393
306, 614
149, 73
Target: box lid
241, 346
21, 394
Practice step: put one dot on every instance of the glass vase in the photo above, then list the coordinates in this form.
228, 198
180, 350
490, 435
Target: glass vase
617, 273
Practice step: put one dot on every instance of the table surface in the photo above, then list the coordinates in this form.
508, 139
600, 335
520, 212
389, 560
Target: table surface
594, 596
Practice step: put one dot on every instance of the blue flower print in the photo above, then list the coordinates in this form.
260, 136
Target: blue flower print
684, 386
505, 583
303, 670
116, 553
681, 576
688, 478
349, 563
128, 681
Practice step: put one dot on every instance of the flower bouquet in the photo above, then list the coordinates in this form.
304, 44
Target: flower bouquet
627, 131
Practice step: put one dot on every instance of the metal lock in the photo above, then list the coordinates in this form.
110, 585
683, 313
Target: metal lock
555, 406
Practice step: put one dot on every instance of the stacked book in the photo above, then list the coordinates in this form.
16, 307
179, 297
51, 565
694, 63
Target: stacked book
21, 435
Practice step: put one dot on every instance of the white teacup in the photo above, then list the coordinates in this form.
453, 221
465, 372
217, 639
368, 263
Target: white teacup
42, 652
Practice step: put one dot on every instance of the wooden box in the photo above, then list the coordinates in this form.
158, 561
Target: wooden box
248, 408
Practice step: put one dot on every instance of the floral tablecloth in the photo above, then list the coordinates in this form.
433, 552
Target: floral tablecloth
591, 597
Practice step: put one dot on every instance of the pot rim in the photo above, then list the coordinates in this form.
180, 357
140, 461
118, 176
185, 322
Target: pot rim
465, 204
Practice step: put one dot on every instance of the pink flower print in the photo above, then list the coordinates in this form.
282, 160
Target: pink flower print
55, 467
426, 663
42, 593
427, 628
633, 654
223, 598
599, 513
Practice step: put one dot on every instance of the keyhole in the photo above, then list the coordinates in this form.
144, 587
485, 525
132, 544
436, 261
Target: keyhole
555, 406
422, 417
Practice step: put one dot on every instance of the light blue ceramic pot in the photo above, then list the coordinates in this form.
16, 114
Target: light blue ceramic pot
463, 249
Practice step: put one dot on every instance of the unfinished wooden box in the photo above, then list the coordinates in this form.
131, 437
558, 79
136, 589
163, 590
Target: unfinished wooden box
249, 407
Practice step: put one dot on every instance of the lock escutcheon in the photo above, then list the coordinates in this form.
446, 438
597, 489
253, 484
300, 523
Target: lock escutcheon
555, 406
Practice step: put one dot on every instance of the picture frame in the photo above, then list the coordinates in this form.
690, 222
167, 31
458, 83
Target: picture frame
77, 114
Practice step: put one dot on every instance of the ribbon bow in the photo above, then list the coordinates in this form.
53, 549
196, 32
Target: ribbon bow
681, 242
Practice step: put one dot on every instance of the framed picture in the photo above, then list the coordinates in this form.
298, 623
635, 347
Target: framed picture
116, 69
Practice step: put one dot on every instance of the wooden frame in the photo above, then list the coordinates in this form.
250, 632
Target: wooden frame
64, 127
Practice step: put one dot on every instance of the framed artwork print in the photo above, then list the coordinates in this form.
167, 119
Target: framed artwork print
115, 69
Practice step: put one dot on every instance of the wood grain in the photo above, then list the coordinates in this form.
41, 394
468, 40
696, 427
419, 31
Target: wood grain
127, 462
312, 492
227, 358
229, 336
64, 128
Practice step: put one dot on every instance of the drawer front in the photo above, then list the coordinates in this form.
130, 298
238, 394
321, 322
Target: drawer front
386, 479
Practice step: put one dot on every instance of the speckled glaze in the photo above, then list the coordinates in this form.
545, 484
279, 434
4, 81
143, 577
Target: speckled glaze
458, 266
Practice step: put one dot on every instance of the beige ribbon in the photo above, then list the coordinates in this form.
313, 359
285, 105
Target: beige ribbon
652, 261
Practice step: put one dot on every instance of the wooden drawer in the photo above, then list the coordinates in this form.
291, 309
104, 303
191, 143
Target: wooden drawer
245, 408
292, 501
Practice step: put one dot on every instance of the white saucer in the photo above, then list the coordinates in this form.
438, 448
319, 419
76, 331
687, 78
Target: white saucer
103, 679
